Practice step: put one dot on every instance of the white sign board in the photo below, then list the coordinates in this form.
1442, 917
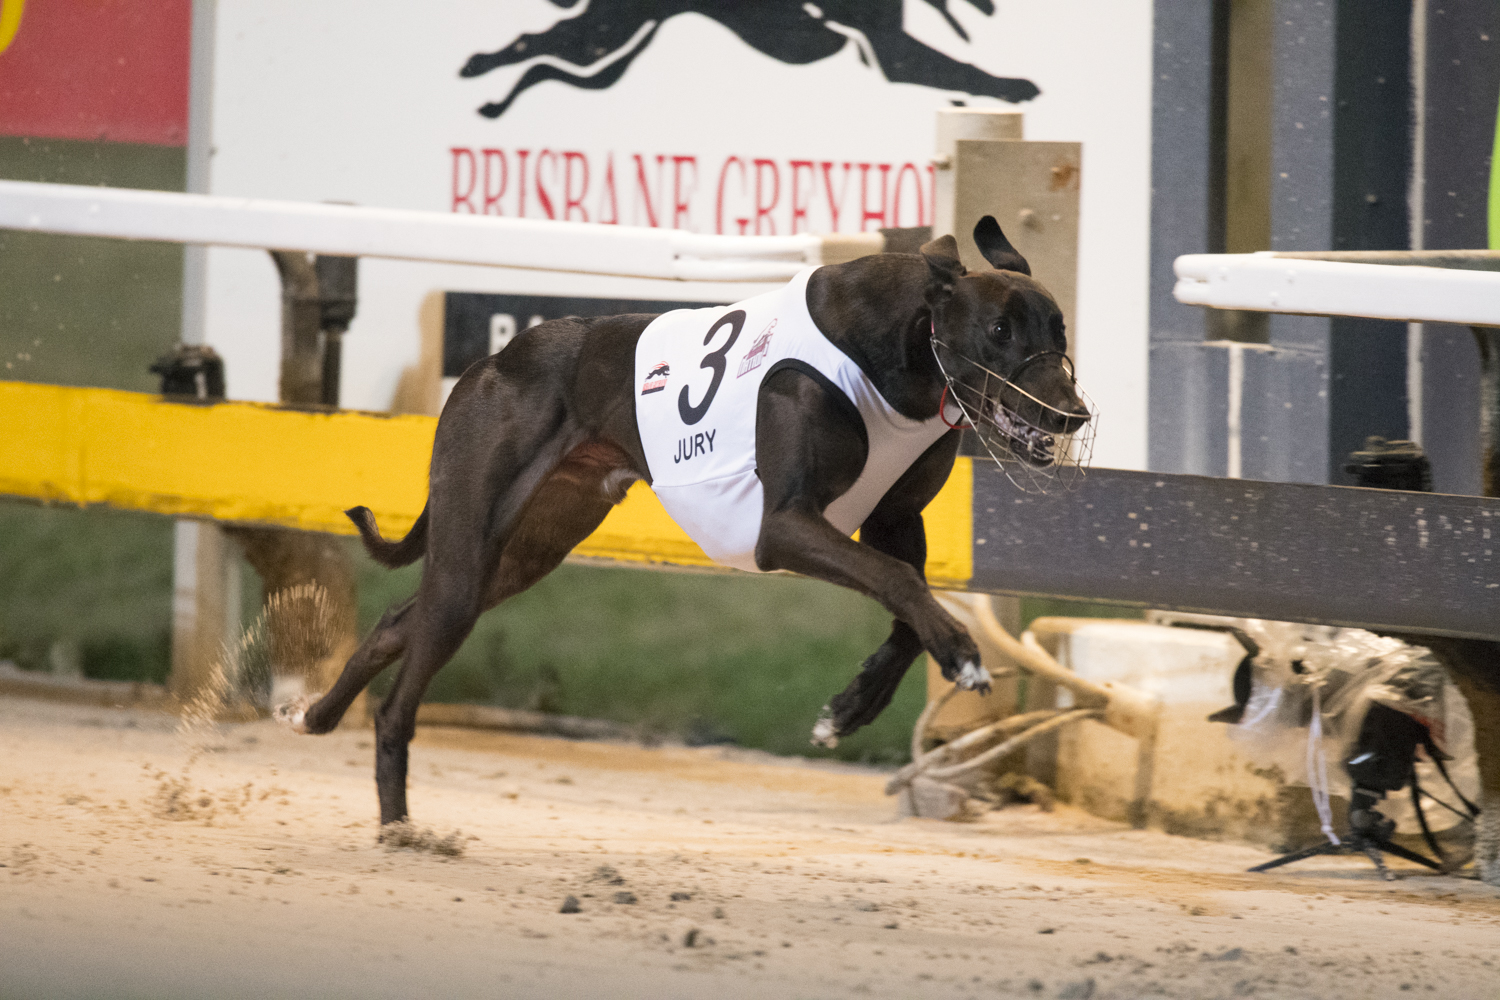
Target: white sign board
762, 116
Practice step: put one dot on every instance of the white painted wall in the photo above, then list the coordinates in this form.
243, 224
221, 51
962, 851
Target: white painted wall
362, 102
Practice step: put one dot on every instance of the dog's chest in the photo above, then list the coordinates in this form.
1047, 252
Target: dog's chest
697, 378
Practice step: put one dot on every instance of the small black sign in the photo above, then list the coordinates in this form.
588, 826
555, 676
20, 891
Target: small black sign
478, 324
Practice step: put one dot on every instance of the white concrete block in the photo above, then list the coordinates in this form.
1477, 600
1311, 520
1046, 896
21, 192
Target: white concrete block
1200, 782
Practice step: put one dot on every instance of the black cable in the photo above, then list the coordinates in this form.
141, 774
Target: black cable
1416, 802
1443, 770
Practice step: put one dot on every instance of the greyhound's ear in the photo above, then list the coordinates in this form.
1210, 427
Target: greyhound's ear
996, 248
943, 265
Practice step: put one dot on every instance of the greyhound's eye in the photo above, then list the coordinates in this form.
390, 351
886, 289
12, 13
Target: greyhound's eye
1002, 329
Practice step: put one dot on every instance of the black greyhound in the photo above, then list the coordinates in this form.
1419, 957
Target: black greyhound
537, 442
609, 34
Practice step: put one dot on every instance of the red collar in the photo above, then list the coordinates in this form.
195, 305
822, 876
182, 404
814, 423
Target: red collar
943, 399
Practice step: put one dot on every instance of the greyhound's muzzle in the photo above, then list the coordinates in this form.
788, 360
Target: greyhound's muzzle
1041, 447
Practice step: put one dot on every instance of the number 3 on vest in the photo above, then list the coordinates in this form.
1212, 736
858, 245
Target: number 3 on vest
714, 359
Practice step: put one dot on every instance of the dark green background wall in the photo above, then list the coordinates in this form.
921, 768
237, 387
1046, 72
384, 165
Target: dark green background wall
79, 311
82, 311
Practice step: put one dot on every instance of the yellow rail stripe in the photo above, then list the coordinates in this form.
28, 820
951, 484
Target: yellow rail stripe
228, 461
950, 530
253, 462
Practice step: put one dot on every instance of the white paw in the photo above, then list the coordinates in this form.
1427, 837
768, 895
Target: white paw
293, 714
823, 734
972, 677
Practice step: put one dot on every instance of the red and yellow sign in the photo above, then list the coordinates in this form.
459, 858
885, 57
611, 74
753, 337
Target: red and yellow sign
10, 21
105, 70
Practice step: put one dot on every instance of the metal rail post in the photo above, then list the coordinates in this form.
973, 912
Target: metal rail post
955, 716
317, 304
983, 167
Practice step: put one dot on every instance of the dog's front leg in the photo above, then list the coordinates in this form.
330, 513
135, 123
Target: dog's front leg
810, 450
896, 528
872, 688
800, 540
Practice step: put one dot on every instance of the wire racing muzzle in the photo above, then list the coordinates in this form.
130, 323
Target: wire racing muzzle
1040, 447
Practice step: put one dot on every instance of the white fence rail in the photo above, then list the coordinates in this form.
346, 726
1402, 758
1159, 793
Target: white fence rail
402, 234
1268, 282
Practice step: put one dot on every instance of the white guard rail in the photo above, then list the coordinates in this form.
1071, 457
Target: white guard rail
1268, 282
359, 231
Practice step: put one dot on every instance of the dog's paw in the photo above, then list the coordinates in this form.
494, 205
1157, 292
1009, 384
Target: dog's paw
824, 733
973, 677
293, 714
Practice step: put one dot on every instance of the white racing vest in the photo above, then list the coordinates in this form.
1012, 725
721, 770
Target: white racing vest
697, 379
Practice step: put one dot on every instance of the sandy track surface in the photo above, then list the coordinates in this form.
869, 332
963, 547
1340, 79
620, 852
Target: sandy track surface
141, 863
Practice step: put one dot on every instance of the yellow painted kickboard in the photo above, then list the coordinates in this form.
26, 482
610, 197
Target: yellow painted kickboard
949, 520
253, 462
228, 461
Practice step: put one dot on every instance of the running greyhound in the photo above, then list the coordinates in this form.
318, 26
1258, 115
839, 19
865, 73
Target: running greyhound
537, 442
593, 49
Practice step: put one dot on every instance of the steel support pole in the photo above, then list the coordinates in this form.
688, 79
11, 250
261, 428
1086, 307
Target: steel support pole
311, 325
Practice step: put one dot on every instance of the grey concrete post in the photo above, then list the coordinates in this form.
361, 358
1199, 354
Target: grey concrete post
1339, 137
1458, 66
1188, 395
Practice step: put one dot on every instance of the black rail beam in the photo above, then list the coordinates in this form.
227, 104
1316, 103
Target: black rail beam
1377, 559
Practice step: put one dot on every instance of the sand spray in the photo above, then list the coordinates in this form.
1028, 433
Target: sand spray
275, 661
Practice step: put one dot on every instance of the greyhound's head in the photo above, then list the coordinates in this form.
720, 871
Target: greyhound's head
1000, 341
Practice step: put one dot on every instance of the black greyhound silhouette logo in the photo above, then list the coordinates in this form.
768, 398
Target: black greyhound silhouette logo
600, 44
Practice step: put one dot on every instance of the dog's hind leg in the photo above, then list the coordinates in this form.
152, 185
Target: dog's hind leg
442, 615
380, 649
563, 509
563, 512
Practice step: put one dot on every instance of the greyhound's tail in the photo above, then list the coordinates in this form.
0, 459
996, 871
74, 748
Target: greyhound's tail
382, 550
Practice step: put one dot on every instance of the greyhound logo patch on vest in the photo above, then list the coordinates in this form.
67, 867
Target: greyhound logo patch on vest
700, 439
756, 356
656, 379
